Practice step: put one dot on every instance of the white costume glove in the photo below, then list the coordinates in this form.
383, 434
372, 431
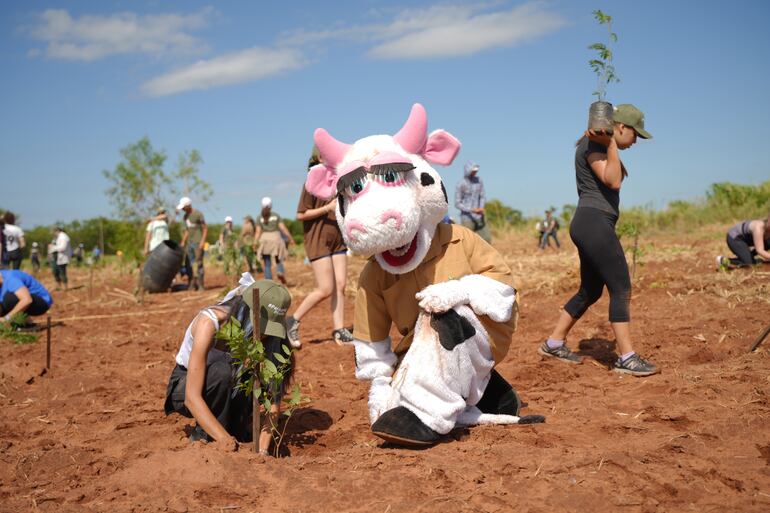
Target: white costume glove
489, 297
484, 295
440, 297
374, 359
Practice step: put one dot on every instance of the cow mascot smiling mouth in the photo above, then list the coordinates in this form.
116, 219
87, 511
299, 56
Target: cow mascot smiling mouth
449, 294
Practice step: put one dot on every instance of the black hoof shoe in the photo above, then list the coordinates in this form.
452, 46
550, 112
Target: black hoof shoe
499, 397
402, 427
531, 419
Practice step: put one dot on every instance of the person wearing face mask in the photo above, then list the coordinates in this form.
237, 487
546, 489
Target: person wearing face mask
470, 200
600, 174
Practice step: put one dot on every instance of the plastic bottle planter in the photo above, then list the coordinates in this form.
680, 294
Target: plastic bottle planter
600, 117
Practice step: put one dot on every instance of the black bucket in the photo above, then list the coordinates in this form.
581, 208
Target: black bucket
161, 266
600, 117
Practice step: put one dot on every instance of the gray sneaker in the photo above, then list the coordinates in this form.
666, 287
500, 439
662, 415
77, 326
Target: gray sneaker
292, 332
561, 353
342, 336
636, 366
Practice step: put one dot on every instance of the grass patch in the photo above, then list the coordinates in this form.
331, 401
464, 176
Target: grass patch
11, 330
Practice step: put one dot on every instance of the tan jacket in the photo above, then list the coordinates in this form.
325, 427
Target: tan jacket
385, 298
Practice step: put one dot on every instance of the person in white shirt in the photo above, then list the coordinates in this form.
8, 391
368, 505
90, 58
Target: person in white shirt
63, 251
157, 231
14, 242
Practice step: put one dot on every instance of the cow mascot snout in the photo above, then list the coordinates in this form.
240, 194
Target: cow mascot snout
449, 294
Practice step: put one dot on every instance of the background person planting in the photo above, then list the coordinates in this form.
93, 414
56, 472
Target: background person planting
21, 293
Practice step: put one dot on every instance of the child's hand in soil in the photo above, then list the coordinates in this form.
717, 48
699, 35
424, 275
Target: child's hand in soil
229, 444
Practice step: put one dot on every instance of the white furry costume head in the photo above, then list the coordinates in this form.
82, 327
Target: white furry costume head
389, 198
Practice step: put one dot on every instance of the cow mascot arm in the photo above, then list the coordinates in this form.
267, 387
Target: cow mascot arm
375, 361
484, 295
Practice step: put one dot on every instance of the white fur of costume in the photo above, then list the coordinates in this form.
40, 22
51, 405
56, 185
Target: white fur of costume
393, 216
441, 387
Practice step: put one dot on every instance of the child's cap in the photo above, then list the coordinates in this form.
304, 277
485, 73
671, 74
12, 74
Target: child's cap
274, 302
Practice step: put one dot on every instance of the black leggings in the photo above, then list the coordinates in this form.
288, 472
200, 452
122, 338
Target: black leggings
742, 250
602, 262
38, 306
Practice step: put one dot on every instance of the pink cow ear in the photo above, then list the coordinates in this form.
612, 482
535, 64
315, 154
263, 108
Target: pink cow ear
442, 148
321, 182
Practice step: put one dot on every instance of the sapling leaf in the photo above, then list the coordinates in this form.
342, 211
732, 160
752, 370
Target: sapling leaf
295, 395
270, 366
279, 357
286, 350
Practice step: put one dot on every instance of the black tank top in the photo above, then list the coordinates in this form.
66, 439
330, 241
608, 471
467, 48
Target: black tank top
591, 191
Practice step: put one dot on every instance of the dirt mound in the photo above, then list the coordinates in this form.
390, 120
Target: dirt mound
90, 435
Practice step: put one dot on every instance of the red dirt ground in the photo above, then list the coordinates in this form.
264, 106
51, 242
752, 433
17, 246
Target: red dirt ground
90, 435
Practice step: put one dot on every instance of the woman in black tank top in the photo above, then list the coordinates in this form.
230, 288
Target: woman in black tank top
599, 175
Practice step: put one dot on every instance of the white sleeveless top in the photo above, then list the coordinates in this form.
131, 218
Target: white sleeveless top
183, 356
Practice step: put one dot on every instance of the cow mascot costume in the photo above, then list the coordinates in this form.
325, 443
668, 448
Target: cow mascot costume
449, 294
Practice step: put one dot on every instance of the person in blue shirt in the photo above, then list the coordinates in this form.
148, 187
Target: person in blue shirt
20, 292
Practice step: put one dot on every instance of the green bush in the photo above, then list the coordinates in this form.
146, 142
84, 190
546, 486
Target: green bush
725, 203
499, 215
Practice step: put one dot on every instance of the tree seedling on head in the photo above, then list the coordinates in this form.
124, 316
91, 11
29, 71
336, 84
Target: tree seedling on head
602, 63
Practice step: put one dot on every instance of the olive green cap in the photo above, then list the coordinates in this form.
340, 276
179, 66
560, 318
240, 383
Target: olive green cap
274, 302
633, 117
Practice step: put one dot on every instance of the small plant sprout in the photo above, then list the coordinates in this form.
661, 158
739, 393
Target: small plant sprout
631, 229
231, 258
602, 63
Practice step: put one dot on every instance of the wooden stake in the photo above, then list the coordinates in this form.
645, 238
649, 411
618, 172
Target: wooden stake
91, 281
48, 344
759, 339
139, 292
256, 427
636, 246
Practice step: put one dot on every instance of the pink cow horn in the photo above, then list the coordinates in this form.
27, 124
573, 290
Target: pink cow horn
414, 134
332, 151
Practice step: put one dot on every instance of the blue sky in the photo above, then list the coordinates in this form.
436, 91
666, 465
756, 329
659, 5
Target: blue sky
246, 83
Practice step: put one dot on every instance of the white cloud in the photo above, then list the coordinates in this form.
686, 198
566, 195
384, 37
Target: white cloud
405, 21
475, 33
233, 68
436, 31
442, 31
92, 37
